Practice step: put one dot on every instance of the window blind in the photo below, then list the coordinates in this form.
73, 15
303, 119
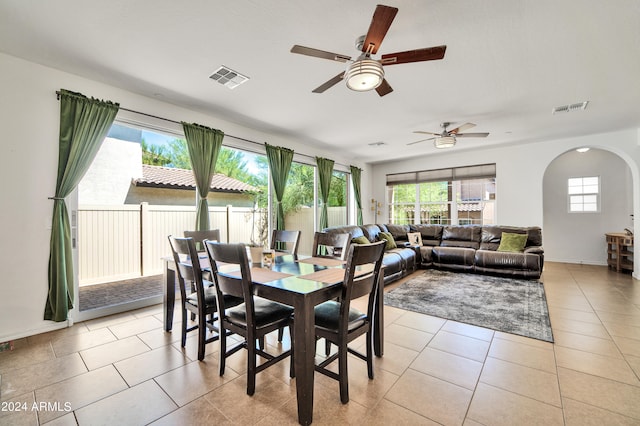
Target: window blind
480, 171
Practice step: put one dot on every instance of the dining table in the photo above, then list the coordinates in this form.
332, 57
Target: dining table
303, 283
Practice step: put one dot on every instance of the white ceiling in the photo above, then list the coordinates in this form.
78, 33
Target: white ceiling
508, 63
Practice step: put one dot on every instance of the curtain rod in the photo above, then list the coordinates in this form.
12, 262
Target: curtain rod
180, 123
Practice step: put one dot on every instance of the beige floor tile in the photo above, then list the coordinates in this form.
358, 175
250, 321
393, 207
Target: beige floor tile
140, 325
193, 380
28, 379
457, 344
232, 400
409, 338
396, 358
52, 336
584, 343
387, 413
421, 322
111, 352
469, 330
628, 346
198, 412
598, 365
145, 366
579, 327
541, 344
74, 343
600, 392
66, 420
435, 399
25, 356
80, 391
19, 411
525, 381
452, 368
157, 338
634, 363
97, 323
149, 310
579, 414
614, 317
138, 405
392, 314
623, 330
559, 312
524, 354
493, 406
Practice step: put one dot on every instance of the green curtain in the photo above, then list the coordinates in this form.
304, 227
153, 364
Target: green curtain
355, 179
84, 123
325, 171
279, 163
204, 145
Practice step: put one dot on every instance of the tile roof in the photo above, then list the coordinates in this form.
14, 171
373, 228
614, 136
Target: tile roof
167, 177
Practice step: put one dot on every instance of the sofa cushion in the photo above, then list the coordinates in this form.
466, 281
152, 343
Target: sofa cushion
431, 234
360, 240
513, 243
461, 236
371, 231
399, 232
386, 236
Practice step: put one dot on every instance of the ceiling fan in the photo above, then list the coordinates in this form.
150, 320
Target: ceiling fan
365, 73
447, 138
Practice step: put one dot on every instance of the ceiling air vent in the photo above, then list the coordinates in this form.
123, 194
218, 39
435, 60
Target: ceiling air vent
376, 144
228, 77
569, 108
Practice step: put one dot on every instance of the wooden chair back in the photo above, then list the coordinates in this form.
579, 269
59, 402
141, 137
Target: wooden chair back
329, 244
285, 241
200, 236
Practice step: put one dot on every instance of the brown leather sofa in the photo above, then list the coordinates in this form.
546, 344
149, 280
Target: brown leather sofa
467, 248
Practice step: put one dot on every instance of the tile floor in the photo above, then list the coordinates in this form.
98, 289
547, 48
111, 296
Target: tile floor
124, 369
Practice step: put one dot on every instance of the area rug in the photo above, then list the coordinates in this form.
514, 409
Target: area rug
515, 306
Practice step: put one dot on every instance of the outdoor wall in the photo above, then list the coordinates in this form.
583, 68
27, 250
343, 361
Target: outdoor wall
184, 197
582, 234
30, 126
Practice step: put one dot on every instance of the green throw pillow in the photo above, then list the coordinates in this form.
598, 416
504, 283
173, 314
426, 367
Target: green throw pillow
512, 242
391, 243
360, 240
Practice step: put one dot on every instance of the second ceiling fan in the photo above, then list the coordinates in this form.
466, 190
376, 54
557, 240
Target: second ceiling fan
447, 138
365, 73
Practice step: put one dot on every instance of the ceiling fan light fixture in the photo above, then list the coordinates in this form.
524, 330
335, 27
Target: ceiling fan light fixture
364, 74
444, 142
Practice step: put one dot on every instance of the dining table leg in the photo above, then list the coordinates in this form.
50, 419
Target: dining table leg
169, 296
304, 346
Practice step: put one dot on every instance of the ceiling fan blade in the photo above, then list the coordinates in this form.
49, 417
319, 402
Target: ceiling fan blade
384, 88
426, 133
461, 128
472, 135
422, 140
418, 55
317, 53
329, 84
380, 23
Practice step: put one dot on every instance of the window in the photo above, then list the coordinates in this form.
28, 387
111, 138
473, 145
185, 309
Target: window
458, 196
583, 194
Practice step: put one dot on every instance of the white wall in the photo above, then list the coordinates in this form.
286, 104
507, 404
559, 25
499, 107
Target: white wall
581, 235
30, 130
520, 173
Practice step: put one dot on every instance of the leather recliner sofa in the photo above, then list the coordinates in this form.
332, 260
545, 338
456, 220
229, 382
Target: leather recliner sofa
466, 248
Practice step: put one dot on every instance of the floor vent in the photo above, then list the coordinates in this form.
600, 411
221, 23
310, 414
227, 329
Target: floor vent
228, 77
569, 108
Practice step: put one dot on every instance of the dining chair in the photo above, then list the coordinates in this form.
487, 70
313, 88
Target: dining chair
200, 236
285, 241
200, 301
339, 323
254, 318
329, 244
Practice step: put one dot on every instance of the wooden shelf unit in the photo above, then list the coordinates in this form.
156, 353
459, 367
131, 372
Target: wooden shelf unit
620, 251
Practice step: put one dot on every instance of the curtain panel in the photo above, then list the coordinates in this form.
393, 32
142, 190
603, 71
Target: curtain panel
325, 172
279, 163
84, 123
204, 145
356, 182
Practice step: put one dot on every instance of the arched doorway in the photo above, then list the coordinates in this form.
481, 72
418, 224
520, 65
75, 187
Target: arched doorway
578, 236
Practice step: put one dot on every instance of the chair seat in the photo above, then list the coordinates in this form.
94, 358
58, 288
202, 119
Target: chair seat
266, 312
210, 297
328, 316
